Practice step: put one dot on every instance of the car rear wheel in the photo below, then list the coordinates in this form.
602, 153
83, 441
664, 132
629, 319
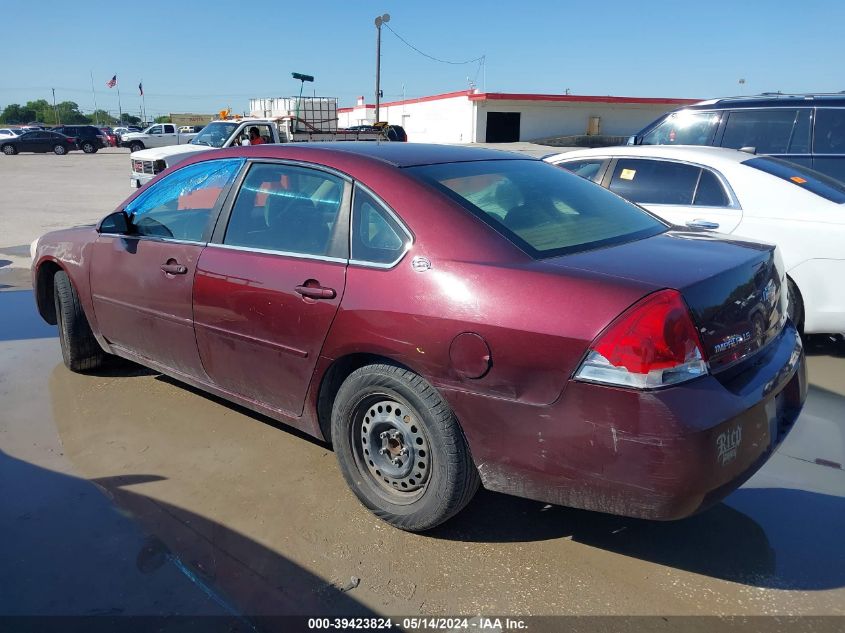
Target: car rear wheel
88, 148
59, 150
136, 147
401, 449
795, 311
80, 350
9, 150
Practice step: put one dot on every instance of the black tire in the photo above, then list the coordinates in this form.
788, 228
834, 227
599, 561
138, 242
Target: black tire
10, 150
59, 150
428, 483
795, 311
136, 147
80, 349
89, 148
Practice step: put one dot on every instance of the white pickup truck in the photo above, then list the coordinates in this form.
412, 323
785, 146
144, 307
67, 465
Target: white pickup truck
158, 135
227, 133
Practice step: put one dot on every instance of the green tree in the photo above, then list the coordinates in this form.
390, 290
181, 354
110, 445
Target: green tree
102, 117
162, 119
69, 113
43, 110
131, 120
14, 113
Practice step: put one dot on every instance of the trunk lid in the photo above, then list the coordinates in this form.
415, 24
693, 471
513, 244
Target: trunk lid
735, 290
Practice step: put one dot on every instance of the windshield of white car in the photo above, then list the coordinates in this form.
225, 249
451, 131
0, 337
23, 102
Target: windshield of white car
809, 179
214, 134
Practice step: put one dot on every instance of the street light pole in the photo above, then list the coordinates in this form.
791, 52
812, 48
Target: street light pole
379, 21
55, 110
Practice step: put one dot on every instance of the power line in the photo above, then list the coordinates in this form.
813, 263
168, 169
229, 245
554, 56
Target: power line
432, 57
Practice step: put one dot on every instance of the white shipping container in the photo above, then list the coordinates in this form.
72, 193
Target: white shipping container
318, 112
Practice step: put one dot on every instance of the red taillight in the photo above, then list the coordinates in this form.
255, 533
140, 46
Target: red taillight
71, 139
652, 344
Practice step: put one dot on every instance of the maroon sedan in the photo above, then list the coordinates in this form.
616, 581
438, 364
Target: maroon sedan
445, 316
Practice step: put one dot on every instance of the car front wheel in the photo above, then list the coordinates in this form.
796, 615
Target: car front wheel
59, 150
9, 150
80, 350
400, 448
136, 147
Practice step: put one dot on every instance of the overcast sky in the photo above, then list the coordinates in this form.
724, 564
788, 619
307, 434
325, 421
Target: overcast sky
205, 55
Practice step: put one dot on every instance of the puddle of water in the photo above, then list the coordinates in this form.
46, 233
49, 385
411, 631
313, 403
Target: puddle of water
19, 318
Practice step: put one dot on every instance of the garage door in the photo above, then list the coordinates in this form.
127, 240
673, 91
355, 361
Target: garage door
502, 127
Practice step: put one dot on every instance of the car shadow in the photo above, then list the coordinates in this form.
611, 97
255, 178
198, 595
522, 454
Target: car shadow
824, 345
789, 544
96, 548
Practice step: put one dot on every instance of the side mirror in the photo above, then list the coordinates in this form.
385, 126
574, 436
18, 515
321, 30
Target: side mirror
117, 223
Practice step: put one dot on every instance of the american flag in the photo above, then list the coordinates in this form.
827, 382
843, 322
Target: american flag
111, 83
141, 88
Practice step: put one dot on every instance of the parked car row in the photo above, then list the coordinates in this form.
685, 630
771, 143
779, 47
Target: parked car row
88, 138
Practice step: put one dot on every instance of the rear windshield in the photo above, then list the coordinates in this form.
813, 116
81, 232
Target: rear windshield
544, 210
821, 185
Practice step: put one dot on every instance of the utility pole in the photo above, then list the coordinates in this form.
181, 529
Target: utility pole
382, 19
94, 96
55, 109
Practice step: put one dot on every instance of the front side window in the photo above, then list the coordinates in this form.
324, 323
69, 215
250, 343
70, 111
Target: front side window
156, 129
654, 181
830, 131
180, 205
288, 209
686, 127
169, 129
376, 237
768, 131
543, 209
586, 168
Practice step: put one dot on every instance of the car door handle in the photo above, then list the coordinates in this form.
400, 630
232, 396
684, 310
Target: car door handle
316, 292
703, 224
174, 269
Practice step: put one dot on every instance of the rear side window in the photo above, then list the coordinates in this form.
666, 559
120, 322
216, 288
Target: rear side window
686, 127
179, 206
830, 131
808, 179
776, 131
288, 209
655, 181
376, 237
541, 208
710, 192
589, 168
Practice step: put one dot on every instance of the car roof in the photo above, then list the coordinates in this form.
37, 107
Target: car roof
393, 153
703, 154
771, 100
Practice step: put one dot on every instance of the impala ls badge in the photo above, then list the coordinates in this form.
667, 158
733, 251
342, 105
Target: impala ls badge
731, 341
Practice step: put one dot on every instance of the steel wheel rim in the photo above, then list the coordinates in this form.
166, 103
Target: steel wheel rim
391, 448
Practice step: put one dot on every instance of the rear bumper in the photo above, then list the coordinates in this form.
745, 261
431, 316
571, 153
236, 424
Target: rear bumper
663, 454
